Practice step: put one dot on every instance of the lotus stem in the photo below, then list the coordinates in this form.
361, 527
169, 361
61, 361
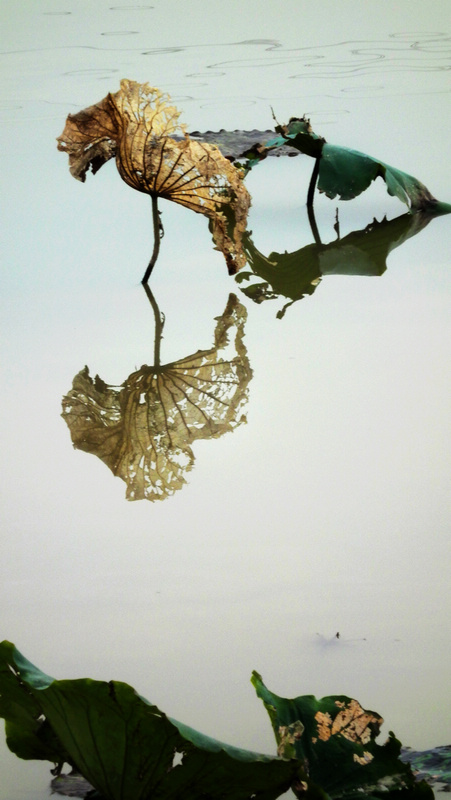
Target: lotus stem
157, 234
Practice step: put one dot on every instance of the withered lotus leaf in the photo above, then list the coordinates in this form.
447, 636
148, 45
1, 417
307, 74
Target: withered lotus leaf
143, 429
136, 125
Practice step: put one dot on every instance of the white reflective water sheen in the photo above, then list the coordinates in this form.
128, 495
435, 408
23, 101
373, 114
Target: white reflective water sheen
329, 510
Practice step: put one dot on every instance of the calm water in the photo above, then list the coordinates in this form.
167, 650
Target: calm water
329, 509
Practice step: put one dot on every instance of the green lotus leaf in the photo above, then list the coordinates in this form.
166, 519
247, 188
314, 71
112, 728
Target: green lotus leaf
299, 134
127, 749
335, 740
347, 173
130, 750
343, 172
28, 733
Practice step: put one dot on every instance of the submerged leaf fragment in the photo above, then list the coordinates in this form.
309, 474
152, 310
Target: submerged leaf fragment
433, 764
238, 144
137, 125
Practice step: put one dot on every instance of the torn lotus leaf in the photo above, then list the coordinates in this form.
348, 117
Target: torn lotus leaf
338, 748
136, 125
351, 721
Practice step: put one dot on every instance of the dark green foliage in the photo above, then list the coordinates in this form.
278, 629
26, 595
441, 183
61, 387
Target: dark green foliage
347, 173
335, 740
125, 746
28, 733
128, 749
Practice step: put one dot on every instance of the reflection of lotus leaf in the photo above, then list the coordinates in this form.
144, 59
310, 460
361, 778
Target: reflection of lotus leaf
294, 275
143, 429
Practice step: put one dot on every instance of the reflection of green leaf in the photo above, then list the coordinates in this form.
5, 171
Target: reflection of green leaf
294, 275
130, 750
143, 429
335, 739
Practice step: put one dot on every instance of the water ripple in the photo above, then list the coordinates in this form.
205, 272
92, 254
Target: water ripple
236, 102
401, 52
119, 33
161, 51
92, 71
347, 68
205, 74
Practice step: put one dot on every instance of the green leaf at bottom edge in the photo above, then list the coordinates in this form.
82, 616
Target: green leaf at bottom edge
130, 750
334, 738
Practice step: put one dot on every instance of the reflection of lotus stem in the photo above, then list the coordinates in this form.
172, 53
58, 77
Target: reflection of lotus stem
313, 225
157, 233
313, 179
158, 324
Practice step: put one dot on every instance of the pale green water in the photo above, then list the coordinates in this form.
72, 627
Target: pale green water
329, 510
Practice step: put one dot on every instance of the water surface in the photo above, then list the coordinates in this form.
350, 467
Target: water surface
329, 509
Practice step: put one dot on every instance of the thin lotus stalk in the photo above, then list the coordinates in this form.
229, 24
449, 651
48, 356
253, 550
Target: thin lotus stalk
157, 235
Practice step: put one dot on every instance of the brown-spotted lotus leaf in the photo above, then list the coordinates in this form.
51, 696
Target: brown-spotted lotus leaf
352, 722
